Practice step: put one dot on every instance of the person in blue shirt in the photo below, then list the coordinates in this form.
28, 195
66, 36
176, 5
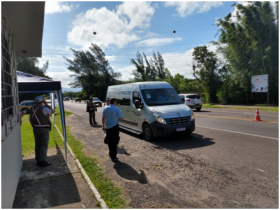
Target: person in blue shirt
110, 123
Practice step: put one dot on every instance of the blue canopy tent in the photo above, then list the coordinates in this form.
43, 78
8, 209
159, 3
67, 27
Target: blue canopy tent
28, 83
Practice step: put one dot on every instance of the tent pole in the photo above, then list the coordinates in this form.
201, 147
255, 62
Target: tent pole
53, 115
62, 115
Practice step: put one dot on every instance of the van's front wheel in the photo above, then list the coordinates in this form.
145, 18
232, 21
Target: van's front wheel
148, 133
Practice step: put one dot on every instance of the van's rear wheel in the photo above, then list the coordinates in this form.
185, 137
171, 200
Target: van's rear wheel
148, 133
198, 109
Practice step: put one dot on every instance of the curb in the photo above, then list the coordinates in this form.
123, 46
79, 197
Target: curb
90, 184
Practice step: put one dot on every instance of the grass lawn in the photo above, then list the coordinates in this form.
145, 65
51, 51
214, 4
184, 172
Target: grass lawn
272, 109
111, 194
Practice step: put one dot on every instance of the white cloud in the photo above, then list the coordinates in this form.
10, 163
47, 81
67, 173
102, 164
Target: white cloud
56, 6
157, 42
112, 27
57, 69
138, 12
185, 8
54, 54
179, 63
63, 77
125, 71
176, 62
111, 57
182, 62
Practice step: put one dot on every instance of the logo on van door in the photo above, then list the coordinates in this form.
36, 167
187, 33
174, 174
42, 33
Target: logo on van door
178, 114
137, 113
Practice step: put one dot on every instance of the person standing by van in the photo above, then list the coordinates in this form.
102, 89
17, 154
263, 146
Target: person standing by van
91, 111
40, 121
110, 122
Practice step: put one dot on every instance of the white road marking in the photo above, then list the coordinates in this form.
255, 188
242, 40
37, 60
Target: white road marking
238, 132
276, 113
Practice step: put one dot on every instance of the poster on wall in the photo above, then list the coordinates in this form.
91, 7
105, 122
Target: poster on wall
259, 83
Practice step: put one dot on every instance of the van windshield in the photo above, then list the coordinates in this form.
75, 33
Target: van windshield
160, 97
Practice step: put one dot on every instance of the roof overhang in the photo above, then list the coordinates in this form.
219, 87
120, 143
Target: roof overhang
27, 21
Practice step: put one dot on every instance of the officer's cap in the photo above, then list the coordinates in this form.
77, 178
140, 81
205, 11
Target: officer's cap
38, 99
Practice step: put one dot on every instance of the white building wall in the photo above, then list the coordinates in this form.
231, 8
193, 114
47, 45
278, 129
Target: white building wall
11, 166
11, 153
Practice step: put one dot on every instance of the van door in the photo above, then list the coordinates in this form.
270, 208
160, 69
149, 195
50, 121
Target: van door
136, 114
124, 105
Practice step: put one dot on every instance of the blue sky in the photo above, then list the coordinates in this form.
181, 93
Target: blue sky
123, 28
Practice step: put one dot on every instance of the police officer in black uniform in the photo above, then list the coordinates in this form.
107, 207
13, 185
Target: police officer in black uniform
91, 111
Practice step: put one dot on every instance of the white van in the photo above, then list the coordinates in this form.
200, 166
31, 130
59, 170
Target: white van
152, 108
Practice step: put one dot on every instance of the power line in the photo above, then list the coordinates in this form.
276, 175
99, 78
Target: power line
205, 29
144, 47
125, 54
124, 57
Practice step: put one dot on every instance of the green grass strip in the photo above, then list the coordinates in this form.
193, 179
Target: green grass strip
110, 193
272, 109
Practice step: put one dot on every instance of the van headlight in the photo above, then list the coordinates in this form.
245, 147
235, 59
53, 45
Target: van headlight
158, 117
192, 118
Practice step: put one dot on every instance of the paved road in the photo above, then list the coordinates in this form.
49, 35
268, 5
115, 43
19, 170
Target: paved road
229, 161
239, 121
223, 119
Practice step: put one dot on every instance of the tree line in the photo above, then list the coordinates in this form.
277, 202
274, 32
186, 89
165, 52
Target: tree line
247, 45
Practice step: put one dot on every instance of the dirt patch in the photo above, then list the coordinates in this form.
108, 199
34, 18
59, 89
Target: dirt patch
172, 173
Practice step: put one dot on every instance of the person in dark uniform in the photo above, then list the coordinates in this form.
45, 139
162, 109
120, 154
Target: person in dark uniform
110, 122
108, 102
40, 121
91, 111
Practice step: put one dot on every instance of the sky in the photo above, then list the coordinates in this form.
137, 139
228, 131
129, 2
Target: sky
123, 28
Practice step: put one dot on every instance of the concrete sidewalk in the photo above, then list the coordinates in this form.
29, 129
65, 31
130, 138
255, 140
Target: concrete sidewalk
55, 186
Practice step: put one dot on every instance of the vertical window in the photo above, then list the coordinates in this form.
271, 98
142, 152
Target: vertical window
124, 98
9, 93
7, 107
113, 94
136, 96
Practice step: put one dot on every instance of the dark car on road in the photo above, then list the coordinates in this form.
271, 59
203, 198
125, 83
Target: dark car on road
78, 99
66, 99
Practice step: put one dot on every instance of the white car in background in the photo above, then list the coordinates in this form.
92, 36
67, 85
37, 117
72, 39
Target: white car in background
192, 100
97, 101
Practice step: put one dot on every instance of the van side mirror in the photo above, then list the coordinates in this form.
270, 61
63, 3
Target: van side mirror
182, 100
137, 104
